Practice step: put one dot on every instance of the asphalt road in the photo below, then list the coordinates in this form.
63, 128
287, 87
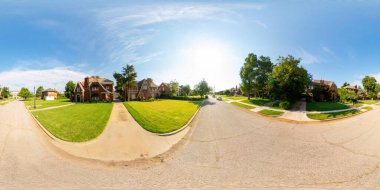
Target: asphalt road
227, 147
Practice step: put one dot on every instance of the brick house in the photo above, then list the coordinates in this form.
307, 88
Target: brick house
94, 89
49, 94
352, 88
327, 90
164, 88
145, 89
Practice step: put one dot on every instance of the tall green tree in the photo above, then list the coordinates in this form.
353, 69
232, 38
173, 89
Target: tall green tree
5, 92
24, 93
174, 86
289, 80
185, 90
126, 80
369, 84
255, 75
202, 88
39, 91
69, 89
247, 74
347, 96
120, 82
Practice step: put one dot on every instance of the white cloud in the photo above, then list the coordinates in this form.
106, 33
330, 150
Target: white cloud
307, 57
129, 28
48, 78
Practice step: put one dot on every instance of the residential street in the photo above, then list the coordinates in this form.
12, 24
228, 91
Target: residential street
227, 147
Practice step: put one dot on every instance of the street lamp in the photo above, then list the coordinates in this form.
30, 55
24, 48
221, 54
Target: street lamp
35, 97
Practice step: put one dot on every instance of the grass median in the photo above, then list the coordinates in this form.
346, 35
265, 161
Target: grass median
271, 112
325, 106
77, 123
162, 116
243, 105
335, 115
40, 104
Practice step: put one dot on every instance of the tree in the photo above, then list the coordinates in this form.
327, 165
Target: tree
202, 88
289, 80
126, 80
24, 93
69, 89
186, 89
369, 84
5, 92
227, 92
347, 96
39, 91
174, 86
345, 84
255, 75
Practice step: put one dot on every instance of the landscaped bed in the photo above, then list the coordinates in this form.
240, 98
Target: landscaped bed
162, 116
325, 106
271, 112
76, 123
40, 104
335, 115
243, 105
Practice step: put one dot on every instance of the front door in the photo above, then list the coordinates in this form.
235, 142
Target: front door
78, 98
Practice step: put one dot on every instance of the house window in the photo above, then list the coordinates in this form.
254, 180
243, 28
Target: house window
95, 97
145, 87
107, 87
94, 88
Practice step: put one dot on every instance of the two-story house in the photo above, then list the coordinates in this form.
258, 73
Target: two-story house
94, 89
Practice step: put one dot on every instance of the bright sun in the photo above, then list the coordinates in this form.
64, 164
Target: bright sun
210, 59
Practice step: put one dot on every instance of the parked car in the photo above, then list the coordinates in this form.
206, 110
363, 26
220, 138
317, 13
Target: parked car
219, 98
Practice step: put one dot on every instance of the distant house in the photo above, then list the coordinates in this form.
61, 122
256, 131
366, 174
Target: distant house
94, 89
327, 90
14, 94
235, 91
145, 89
49, 94
352, 88
164, 88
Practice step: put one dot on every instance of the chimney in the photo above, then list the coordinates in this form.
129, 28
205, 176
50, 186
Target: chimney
86, 81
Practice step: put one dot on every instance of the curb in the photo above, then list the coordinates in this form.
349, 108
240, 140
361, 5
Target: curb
182, 128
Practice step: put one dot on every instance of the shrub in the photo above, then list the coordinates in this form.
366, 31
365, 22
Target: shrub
285, 105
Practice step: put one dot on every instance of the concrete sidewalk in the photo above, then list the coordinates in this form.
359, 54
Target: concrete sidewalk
122, 140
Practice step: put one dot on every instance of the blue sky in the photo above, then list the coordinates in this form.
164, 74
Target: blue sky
50, 42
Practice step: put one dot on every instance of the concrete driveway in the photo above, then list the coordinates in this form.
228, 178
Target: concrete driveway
228, 148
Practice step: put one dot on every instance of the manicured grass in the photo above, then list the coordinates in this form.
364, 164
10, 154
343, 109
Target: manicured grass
162, 116
324, 116
367, 108
325, 106
271, 112
257, 101
45, 104
76, 123
233, 97
4, 101
368, 101
243, 105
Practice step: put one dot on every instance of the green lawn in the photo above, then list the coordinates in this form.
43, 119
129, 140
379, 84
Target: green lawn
325, 106
45, 104
76, 123
233, 97
368, 108
324, 116
162, 116
257, 101
243, 105
369, 101
271, 112
4, 101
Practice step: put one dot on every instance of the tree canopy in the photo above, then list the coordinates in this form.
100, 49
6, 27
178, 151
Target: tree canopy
5, 92
369, 84
174, 87
202, 88
24, 93
69, 89
289, 80
39, 91
185, 89
125, 79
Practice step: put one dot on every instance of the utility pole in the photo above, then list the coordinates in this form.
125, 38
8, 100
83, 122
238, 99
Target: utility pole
35, 97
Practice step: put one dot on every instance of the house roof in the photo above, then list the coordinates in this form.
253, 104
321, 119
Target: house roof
152, 84
99, 80
50, 90
322, 82
351, 87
